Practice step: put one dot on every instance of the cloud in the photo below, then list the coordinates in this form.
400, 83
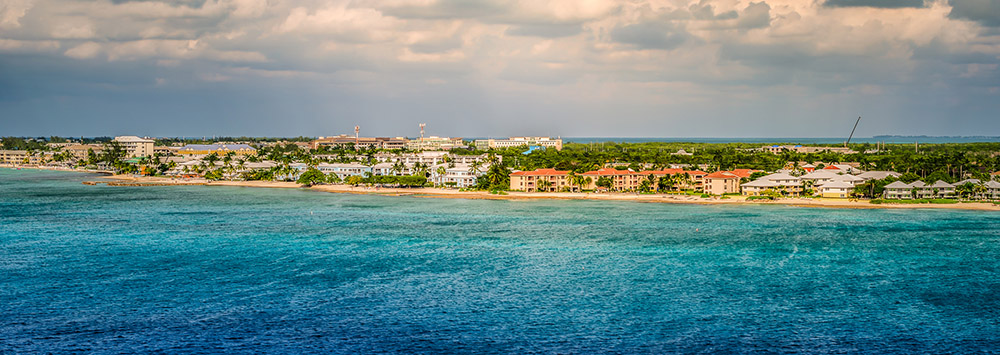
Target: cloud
755, 15
986, 12
86, 50
545, 30
885, 4
11, 12
651, 35
531, 62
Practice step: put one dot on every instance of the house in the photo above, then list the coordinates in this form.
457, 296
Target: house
898, 190
941, 189
992, 190
721, 182
540, 180
781, 182
836, 189
878, 175
460, 175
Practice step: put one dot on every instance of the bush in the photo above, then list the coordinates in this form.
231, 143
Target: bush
758, 198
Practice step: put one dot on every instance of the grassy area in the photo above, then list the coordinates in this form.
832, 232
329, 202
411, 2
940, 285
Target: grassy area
939, 201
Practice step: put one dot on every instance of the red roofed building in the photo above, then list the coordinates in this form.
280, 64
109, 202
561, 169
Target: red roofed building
551, 180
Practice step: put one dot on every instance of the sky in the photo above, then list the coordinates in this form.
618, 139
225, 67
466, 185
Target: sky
570, 68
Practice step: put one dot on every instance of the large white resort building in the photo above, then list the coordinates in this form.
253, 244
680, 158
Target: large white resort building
135, 146
547, 142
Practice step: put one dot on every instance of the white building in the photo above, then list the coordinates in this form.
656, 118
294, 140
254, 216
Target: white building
135, 146
548, 142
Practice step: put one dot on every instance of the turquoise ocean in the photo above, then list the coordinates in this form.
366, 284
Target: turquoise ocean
97, 269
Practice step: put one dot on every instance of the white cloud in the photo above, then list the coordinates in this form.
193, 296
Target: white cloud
86, 50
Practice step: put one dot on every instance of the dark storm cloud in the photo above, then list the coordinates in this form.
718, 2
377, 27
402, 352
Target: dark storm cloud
885, 4
986, 12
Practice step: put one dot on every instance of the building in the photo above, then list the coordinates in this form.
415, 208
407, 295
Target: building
878, 175
836, 189
721, 182
778, 149
135, 146
918, 189
548, 180
344, 140
219, 149
80, 151
460, 175
898, 190
782, 183
434, 143
548, 142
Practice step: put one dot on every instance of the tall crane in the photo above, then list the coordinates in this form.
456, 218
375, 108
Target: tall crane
852, 132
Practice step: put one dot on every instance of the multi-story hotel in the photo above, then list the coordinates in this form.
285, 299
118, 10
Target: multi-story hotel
360, 142
135, 146
205, 149
548, 142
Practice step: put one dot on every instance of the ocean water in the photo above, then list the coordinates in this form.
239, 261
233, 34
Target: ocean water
97, 269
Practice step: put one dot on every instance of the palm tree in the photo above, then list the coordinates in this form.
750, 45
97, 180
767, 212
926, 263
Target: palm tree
476, 167
650, 181
544, 185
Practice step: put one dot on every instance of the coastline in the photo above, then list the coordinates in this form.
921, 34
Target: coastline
433, 192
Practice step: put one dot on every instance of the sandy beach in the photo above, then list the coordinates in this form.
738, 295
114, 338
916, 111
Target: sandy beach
514, 195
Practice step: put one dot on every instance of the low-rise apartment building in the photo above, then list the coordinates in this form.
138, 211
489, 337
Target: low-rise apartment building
548, 180
548, 142
219, 149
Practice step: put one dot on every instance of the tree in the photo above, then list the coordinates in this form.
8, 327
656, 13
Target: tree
497, 177
965, 190
605, 182
909, 177
333, 178
311, 177
544, 185
354, 180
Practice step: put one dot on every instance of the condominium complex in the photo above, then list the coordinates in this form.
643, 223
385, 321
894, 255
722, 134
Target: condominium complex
135, 146
778, 149
434, 143
344, 140
220, 149
621, 180
548, 142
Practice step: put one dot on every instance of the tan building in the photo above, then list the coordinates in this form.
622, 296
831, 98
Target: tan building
135, 146
360, 142
722, 182
80, 151
22, 157
548, 142
550, 180
435, 143
219, 149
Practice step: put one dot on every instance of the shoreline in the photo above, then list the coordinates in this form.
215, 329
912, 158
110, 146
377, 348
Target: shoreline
434, 192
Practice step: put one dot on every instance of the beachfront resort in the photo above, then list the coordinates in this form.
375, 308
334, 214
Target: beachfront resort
543, 165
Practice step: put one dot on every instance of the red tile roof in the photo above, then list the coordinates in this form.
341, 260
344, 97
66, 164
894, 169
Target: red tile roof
607, 171
743, 173
540, 172
722, 175
831, 167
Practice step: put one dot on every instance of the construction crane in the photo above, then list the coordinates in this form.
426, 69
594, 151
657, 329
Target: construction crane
852, 132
